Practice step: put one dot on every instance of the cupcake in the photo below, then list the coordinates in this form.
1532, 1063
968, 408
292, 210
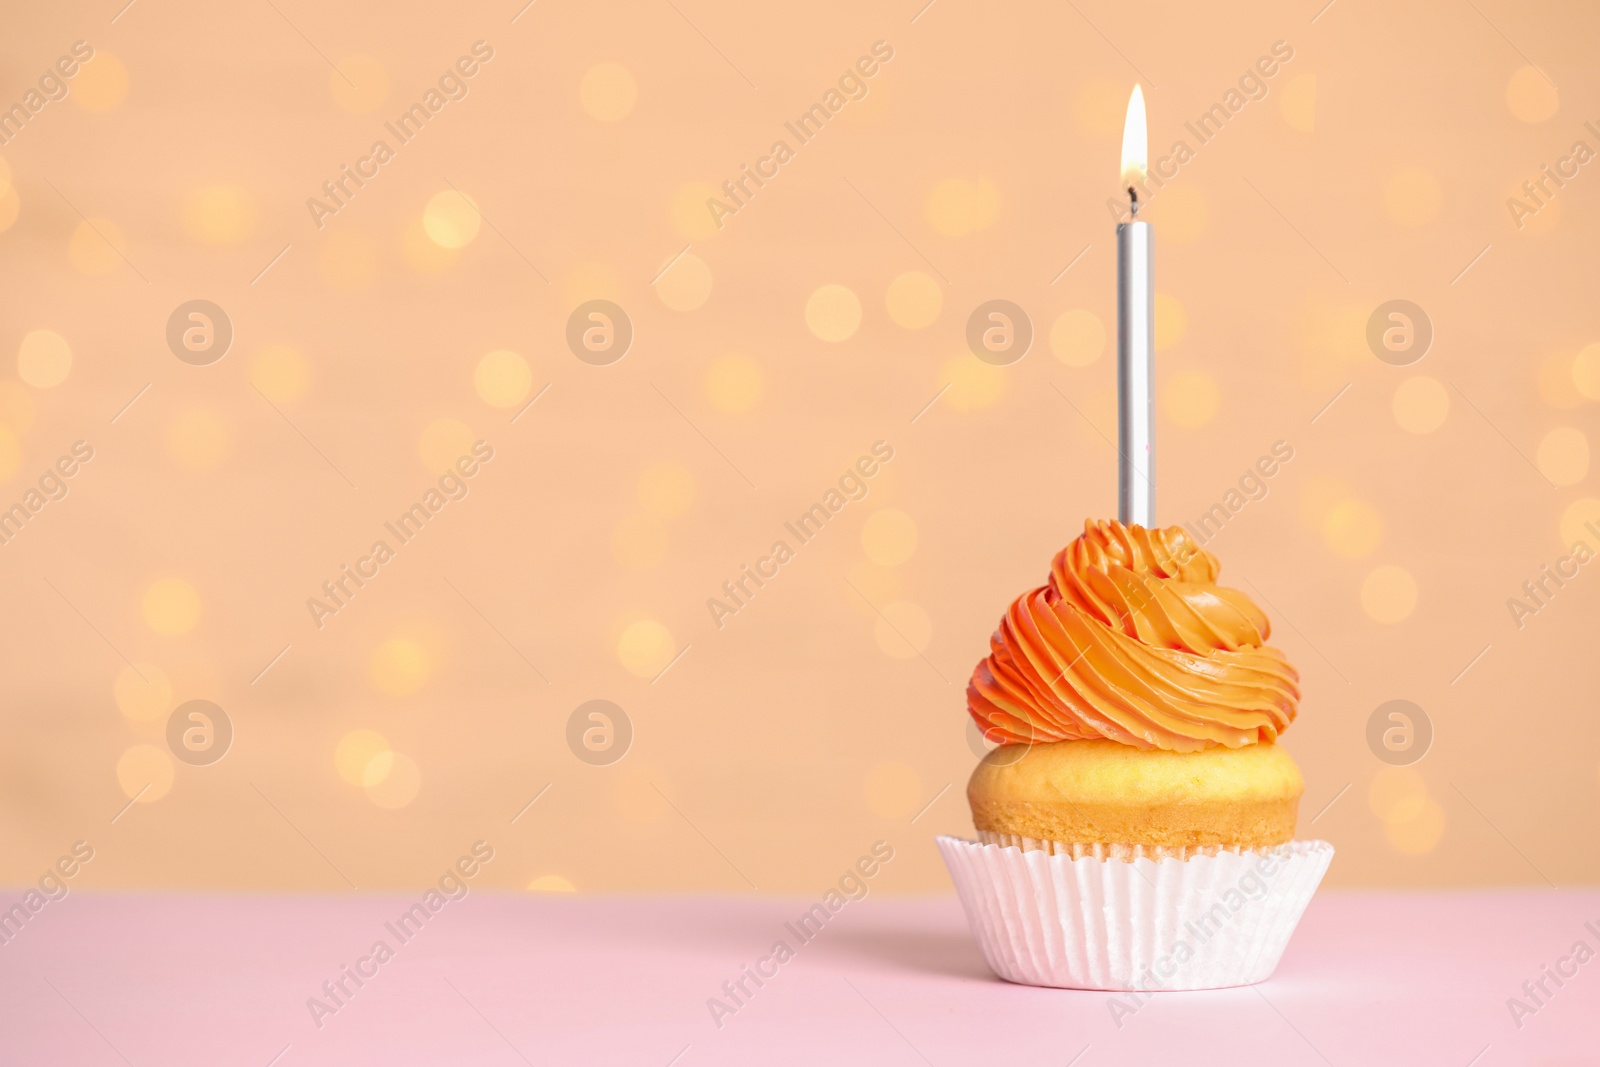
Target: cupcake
1136, 821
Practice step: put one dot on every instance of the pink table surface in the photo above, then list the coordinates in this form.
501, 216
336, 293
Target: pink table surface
1370, 978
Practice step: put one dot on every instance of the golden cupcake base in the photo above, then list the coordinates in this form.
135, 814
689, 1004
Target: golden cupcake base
1075, 794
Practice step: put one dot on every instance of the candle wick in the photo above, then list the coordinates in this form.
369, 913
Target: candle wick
1133, 197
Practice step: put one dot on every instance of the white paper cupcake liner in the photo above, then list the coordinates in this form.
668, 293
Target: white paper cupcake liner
1079, 849
1204, 922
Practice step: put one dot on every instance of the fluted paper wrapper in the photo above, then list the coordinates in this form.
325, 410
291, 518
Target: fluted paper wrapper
1202, 922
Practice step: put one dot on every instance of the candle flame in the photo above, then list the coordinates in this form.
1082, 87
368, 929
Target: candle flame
1135, 142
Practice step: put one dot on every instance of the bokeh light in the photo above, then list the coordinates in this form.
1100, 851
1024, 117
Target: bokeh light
973, 383
645, 648
1318, 498
1298, 104
503, 378
666, 489
1333, 337
442, 442
551, 883
1412, 197
10, 202
1585, 371
219, 214
392, 780
171, 606
1575, 522
10, 454
1392, 786
1389, 594
199, 439
608, 92
355, 752
591, 280
1077, 337
1530, 96
735, 384
399, 667
1172, 321
146, 772
101, 84
281, 373
421, 253
143, 692
686, 284
17, 407
1563, 455
1558, 380
1415, 825
914, 300
1353, 529
833, 312
451, 219
1413, 822
1421, 404
873, 584
44, 359
957, 207
688, 211
1191, 399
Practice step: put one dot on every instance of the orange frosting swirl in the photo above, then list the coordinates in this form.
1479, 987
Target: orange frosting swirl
1134, 641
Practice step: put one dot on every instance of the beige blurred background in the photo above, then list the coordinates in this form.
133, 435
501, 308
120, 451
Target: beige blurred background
826, 314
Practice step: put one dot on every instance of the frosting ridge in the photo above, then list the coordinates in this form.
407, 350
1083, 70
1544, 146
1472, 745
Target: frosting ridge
1133, 640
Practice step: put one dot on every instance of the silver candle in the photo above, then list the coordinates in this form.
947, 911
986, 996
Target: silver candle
1136, 332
